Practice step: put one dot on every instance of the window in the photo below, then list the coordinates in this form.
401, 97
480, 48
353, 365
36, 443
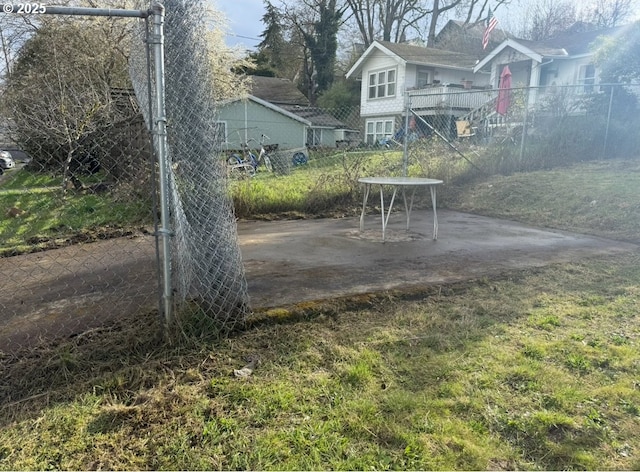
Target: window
382, 84
379, 130
314, 137
422, 78
587, 78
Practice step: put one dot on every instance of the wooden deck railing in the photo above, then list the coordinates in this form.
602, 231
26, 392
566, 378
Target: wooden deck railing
447, 97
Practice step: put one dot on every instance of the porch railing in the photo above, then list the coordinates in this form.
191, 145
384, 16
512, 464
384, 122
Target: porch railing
449, 97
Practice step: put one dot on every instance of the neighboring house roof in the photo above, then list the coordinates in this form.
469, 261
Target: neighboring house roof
276, 90
467, 38
578, 40
409, 54
316, 116
573, 43
271, 106
309, 116
282, 96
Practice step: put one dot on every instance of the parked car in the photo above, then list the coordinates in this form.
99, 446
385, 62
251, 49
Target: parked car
6, 161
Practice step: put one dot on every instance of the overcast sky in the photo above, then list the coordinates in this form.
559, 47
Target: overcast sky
245, 20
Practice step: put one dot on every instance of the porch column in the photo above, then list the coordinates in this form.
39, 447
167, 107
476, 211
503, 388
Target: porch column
494, 80
534, 82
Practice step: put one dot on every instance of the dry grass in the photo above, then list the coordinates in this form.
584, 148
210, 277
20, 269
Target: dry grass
534, 369
455, 377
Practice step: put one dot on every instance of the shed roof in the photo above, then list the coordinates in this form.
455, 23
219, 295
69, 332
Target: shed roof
316, 116
277, 91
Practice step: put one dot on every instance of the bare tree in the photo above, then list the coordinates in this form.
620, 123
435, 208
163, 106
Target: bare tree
14, 31
67, 63
608, 13
394, 20
80, 117
388, 20
544, 19
547, 18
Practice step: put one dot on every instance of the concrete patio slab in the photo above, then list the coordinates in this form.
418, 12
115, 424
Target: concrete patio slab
293, 261
69, 290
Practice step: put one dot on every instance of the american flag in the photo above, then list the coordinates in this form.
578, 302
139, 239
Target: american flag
491, 23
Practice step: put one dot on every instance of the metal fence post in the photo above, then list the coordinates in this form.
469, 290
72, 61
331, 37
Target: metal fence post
524, 125
606, 131
405, 151
160, 137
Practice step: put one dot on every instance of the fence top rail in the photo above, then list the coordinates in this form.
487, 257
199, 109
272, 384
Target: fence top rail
42, 9
440, 91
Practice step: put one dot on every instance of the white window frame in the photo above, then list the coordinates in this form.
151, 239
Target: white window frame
380, 84
314, 137
379, 129
588, 83
426, 73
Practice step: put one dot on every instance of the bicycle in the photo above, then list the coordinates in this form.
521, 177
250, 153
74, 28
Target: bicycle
239, 166
249, 159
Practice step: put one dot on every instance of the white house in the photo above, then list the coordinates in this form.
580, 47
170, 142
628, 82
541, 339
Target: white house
434, 79
463, 87
564, 60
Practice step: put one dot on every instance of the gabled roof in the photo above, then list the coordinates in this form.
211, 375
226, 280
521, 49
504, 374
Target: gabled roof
467, 38
577, 41
276, 90
316, 116
307, 115
580, 38
409, 54
513, 44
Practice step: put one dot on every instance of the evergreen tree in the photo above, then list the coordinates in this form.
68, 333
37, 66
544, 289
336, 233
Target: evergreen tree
322, 42
272, 46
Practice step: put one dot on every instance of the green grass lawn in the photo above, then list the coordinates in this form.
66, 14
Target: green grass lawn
534, 369
326, 186
598, 198
49, 219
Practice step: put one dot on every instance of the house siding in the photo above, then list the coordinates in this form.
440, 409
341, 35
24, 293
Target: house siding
248, 120
445, 76
382, 106
519, 65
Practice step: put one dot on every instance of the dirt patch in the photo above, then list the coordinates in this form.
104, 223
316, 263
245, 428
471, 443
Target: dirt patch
45, 243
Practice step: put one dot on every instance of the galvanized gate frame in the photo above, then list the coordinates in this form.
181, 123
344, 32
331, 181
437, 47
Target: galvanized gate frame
159, 122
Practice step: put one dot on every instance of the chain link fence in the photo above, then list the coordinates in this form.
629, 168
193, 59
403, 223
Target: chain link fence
207, 274
80, 207
528, 128
453, 134
81, 211
77, 241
